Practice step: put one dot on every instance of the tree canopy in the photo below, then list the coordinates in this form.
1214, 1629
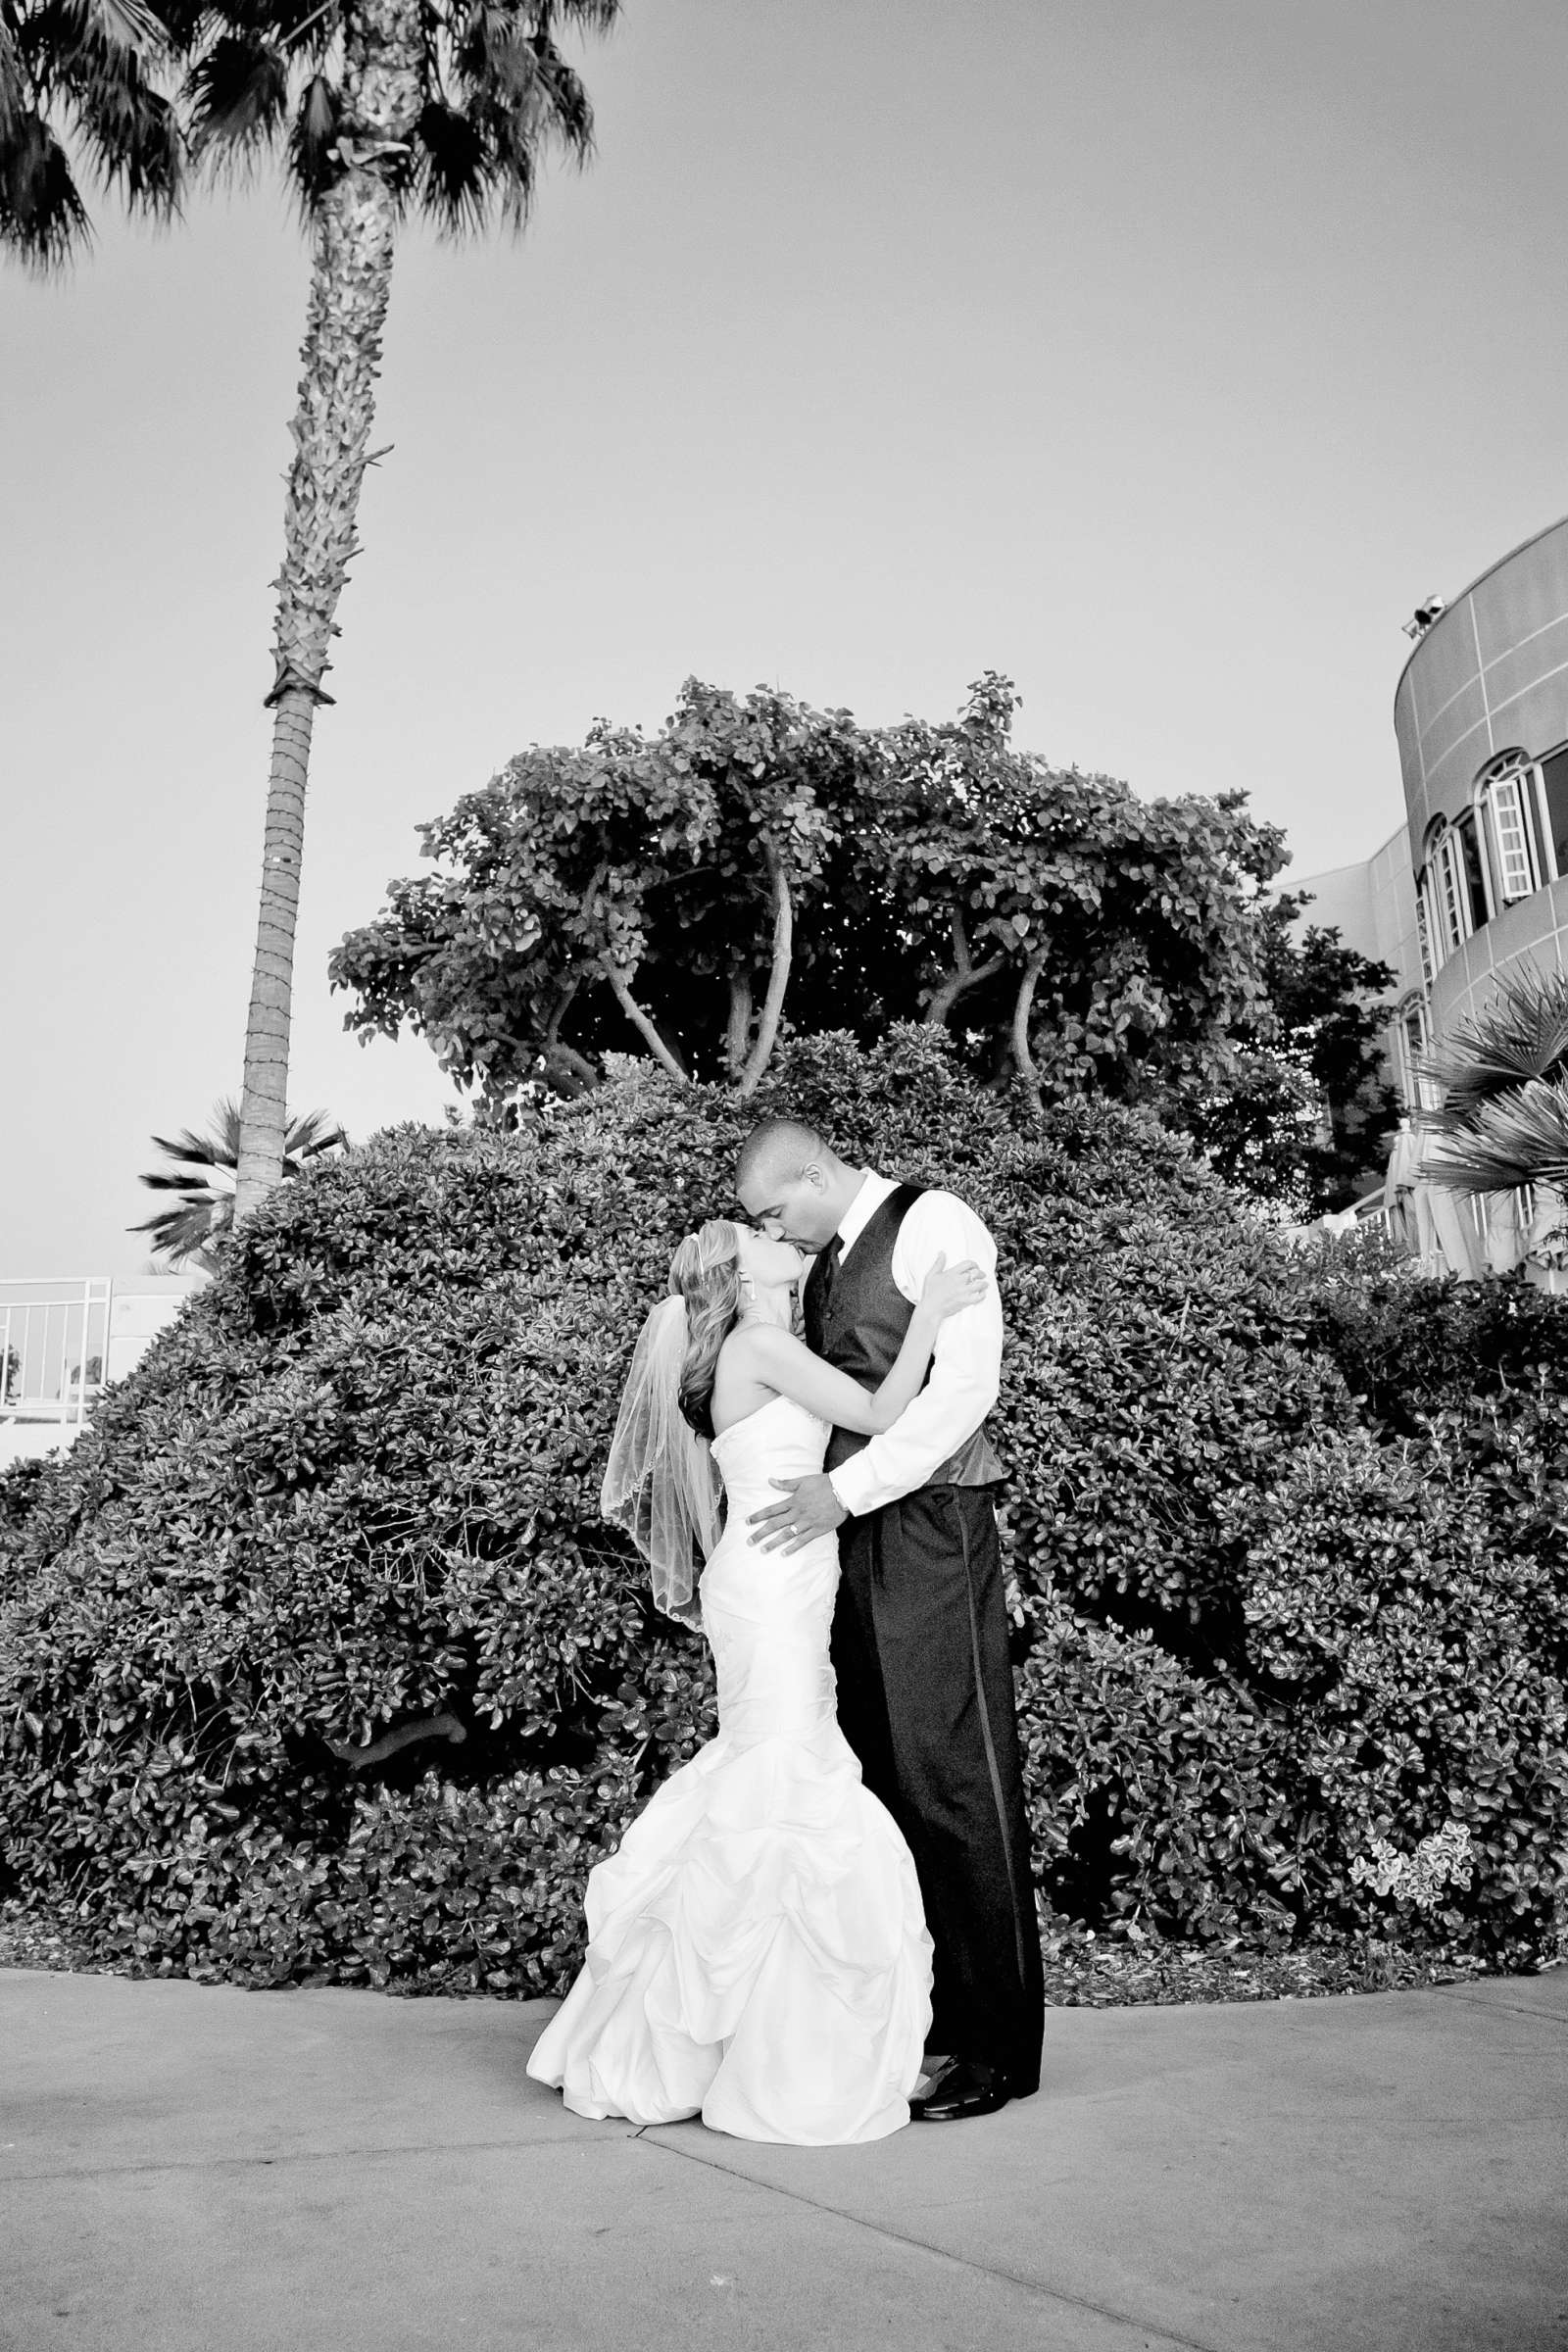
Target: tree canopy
1306, 1110
756, 865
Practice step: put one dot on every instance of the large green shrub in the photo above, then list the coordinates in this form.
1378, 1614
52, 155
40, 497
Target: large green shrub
1285, 1589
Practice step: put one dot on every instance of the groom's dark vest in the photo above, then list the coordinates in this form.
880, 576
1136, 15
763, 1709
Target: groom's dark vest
858, 1322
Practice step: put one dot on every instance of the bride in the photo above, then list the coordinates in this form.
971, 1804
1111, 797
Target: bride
757, 1949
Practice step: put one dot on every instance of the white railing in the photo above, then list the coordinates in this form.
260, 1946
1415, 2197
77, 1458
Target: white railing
54, 1348
1470, 1233
61, 1342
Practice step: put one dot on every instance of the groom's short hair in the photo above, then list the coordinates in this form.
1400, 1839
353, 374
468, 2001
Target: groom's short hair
779, 1148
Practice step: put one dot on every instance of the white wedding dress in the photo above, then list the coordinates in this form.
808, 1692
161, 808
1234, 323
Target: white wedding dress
757, 1948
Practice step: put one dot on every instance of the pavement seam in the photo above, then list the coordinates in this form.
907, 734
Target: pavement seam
213, 2164
962, 2262
1476, 2000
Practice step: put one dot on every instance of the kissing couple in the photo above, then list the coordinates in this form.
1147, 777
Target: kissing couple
823, 1925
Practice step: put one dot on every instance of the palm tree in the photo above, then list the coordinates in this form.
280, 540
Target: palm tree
1504, 1072
202, 1176
379, 107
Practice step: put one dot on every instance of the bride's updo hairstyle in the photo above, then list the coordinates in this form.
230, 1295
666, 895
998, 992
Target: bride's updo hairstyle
706, 1273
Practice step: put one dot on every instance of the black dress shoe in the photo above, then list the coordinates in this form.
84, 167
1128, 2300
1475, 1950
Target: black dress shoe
963, 2087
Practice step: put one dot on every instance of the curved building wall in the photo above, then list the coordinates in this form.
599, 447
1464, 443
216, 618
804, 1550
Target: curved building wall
1490, 673
1481, 714
1534, 932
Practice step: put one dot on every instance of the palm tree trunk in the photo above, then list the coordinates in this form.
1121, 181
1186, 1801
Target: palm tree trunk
264, 1101
351, 283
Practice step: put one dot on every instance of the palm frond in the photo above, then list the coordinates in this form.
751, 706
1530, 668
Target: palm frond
122, 24
183, 1234
178, 1180
197, 1150
1521, 1034
42, 217
65, 43
1509, 1140
311, 139
134, 135
306, 1136
502, 109
213, 1199
513, 94
570, 117
184, 23
512, 137
100, 58
453, 172
13, 83
310, 1134
205, 1209
593, 16
237, 91
495, 52
315, 23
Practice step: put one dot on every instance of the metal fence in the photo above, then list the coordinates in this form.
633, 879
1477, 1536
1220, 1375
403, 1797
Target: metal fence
54, 1348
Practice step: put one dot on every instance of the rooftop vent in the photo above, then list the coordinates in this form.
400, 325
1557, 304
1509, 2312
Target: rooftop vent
1425, 613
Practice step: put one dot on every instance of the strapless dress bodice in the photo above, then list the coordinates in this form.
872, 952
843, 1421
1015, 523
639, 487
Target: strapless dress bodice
780, 1440
780, 1685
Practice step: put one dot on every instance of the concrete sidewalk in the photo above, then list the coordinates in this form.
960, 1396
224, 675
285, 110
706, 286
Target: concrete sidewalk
194, 2169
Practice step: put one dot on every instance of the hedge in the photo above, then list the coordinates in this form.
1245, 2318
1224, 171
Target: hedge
1285, 1541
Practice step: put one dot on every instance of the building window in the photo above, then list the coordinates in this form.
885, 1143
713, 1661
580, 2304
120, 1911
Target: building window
1451, 902
1552, 774
1439, 909
1512, 836
1454, 890
1411, 1043
1515, 864
1423, 926
1473, 867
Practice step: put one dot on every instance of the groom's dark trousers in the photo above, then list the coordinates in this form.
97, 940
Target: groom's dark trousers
925, 1692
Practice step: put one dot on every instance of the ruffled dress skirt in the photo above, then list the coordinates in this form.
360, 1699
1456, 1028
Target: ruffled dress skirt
757, 1948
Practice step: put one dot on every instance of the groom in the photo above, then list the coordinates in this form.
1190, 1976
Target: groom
920, 1627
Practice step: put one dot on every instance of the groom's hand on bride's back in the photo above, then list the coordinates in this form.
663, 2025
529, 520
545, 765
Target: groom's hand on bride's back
812, 1509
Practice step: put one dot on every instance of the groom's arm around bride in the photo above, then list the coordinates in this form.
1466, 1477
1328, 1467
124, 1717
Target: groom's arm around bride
960, 1393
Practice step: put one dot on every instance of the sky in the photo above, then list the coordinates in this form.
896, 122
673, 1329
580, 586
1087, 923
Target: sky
1164, 355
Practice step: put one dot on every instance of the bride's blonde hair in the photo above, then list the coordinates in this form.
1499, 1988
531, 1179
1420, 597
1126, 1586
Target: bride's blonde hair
706, 1273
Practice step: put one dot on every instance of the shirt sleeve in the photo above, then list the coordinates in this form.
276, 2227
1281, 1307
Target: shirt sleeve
965, 1369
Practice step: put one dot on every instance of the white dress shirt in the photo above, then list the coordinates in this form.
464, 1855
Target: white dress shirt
966, 1368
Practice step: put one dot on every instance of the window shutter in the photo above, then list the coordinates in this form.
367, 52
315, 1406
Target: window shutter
1516, 877
1453, 927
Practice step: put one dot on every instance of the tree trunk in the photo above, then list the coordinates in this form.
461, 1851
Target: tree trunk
640, 1020
738, 1035
351, 281
958, 984
778, 978
572, 1073
962, 975
1022, 1053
